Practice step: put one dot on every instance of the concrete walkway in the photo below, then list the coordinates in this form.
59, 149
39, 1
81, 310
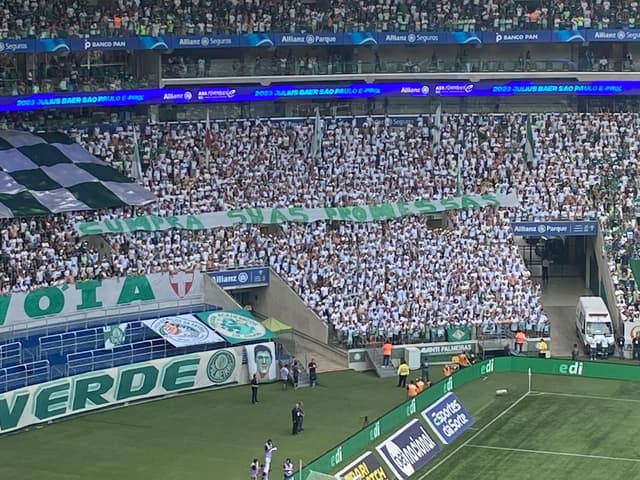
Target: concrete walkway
559, 299
327, 360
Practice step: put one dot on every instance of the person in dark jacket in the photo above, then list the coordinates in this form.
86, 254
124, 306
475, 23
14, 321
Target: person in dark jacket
620, 343
295, 419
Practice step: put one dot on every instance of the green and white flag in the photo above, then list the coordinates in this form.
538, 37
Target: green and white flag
114, 335
47, 173
437, 127
236, 326
208, 140
136, 167
269, 216
530, 143
316, 145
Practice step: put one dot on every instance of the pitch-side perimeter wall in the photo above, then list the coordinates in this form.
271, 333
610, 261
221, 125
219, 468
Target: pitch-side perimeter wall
116, 386
397, 417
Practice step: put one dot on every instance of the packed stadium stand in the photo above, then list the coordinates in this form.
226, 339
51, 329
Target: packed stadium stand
127, 18
405, 279
410, 287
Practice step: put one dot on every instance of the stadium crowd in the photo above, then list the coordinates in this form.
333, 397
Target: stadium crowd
367, 280
67, 18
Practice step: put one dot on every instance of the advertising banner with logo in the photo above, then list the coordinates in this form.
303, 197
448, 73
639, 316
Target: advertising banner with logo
118, 43
612, 35
183, 330
205, 41
106, 388
408, 450
261, 359
414, 38
310, 39
241, 278
449, 348
514, 36
551, 229
448, 418
27, 45
365, 467
236, 326
555, 229
269, 216
257, 40
96, 298
241, 93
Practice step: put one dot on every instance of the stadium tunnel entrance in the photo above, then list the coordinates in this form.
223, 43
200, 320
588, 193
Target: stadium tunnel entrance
568, 260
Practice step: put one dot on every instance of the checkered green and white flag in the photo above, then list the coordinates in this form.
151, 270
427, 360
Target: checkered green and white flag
47, 173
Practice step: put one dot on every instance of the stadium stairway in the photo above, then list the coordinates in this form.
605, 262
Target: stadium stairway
375, 356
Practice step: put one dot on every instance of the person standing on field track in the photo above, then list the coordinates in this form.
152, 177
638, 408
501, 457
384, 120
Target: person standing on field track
254, 389
253, 472
403, 373
386, 353
287, 469
268, 454
313, 375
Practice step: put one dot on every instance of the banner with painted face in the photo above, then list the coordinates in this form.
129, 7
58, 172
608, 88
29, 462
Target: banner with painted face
183, 330
261, 359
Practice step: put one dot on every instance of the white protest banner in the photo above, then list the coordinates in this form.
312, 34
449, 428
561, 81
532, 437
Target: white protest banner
266, 216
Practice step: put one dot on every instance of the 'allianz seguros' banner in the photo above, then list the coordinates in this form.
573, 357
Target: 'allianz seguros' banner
107, 388
267, 216
93, 298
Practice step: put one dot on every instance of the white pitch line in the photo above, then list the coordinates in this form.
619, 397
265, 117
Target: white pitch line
502, 414
560, 454
593, 397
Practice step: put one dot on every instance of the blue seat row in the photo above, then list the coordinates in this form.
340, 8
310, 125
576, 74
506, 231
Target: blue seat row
10, 354
19, 376
70, 342
146, 350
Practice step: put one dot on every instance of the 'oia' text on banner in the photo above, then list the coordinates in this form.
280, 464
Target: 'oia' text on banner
96, 298
264, 216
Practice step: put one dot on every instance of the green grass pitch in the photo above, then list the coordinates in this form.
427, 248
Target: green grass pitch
568, 428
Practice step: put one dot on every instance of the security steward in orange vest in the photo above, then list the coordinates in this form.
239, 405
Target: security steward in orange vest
463, 361
420, 384
412, 390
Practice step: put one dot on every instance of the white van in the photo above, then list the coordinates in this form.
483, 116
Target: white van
593, 320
